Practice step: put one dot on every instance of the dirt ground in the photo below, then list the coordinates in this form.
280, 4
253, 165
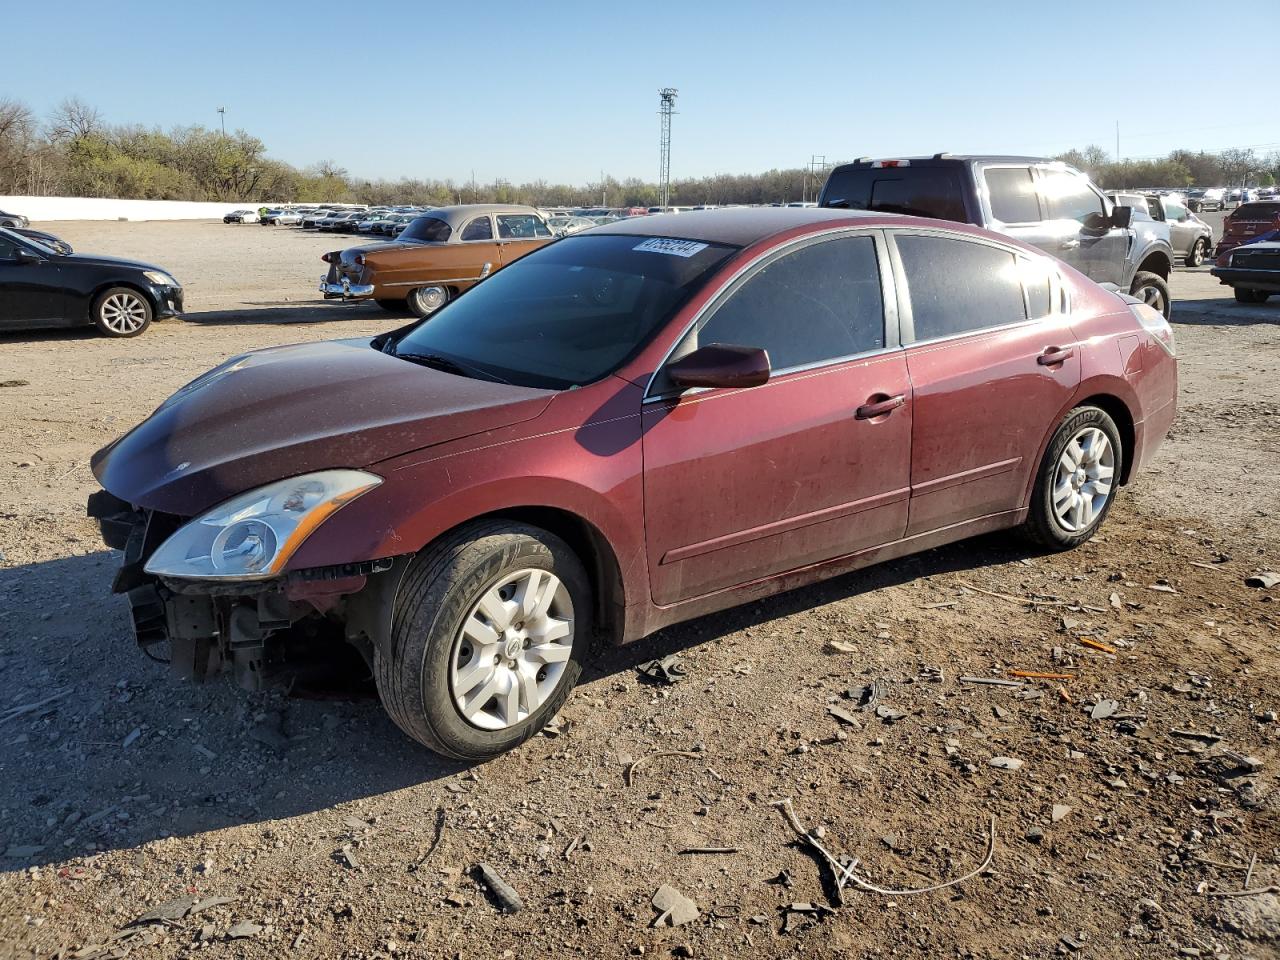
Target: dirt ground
1145, 793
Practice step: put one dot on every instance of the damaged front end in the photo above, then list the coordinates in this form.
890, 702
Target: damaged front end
247, 626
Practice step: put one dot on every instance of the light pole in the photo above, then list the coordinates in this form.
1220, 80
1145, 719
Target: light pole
222, 115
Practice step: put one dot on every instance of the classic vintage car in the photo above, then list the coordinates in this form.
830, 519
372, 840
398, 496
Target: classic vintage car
438, 256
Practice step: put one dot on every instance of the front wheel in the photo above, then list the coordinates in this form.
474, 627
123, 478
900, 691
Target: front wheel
427, 300
1152, 290
1197, 254
1077, 480
121, 312
1249, 295
489, 631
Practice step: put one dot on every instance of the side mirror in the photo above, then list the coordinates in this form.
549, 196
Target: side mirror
26, 256
1121, 217
721, 365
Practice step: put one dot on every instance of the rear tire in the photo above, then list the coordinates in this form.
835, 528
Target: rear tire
425, 301
1069, 504
121, 312
452, 585
1197, 254
393, 306
1152, 290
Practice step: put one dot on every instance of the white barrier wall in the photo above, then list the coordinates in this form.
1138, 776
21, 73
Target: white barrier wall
97, 208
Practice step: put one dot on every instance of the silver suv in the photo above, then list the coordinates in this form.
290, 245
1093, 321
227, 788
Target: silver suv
1041, 202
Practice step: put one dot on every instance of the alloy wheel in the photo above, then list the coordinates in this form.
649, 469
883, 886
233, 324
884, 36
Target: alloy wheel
124, 313
1084, 480
1153, 297
511, 652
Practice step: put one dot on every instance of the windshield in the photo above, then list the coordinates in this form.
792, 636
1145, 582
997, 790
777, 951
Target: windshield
428, 230
568, 313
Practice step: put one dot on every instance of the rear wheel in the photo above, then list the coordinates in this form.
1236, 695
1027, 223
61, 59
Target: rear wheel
1249, 295
121, 312
1077, 480
488, 635
1197, 254
393, 306
1152, 290
427, 300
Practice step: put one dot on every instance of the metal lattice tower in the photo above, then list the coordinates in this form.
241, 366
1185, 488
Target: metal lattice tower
666, 110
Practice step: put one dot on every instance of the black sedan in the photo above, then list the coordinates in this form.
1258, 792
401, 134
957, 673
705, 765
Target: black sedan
40, 287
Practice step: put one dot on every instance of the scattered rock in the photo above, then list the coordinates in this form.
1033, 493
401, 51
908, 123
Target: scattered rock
1005, 763
1060, 812
1035, 834
1103, 709
673, 907
840, 646
132, 738
507, 900
243, 930
1262, 581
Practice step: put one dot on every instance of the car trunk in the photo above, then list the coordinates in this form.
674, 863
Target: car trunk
1251, 219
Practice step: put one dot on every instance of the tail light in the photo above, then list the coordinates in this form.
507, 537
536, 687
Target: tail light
327, 257
359, 259
1154, 323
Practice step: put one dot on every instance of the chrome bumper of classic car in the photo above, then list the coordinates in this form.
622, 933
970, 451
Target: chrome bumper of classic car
345, 289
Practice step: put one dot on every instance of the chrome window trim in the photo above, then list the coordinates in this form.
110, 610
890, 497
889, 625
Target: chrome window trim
775, 253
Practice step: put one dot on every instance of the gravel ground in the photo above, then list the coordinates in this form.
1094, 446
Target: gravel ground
1144, 788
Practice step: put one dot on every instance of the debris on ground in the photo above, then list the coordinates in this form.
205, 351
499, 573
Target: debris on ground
674, 908
1262, 581
668, 670
502, 894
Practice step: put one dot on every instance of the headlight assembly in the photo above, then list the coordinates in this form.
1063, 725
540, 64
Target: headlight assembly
252, 536
160, 279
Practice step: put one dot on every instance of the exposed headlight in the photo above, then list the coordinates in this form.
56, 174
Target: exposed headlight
252, 536
1154, 323
160, 278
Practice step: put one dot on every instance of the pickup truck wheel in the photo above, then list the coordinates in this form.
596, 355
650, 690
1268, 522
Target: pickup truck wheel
393, 306
1197, 254
1077, 480
427, 300
488, 634
1151, 289
121, 312
1249, 295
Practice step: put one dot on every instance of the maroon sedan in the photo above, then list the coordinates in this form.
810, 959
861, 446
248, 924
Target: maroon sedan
647, 422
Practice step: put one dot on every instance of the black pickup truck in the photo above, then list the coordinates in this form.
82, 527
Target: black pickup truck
1041, 202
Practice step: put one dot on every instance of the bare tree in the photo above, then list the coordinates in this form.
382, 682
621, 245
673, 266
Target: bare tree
74, 120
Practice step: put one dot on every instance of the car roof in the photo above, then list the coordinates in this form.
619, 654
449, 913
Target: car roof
455, 215
738, 227
950, 158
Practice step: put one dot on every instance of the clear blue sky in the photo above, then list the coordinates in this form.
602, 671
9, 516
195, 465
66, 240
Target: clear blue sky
561, 91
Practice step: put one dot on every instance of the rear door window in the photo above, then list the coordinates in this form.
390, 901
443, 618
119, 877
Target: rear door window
819, 303
959, 286
1012, 194
481, 228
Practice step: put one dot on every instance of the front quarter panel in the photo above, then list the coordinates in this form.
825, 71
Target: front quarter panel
582, 456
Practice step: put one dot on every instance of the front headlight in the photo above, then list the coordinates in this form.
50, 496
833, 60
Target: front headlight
160, 278
252, 536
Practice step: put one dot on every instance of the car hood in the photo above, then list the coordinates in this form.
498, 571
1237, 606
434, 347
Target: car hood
286, 411
97, 259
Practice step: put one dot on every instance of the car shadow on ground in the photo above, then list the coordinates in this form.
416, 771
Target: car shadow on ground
101, 748
314, 311
1225, 312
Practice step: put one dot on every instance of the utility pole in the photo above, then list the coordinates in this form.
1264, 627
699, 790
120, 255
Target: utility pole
222, 115
666, 110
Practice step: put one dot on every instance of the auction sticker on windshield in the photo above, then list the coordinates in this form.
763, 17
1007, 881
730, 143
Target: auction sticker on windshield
672, 248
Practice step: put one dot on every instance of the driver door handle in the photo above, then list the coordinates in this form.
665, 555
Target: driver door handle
1055, 355
869, 411
1070, 244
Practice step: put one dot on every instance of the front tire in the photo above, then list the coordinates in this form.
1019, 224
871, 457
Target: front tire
489, 631
1250, 295
1077, 480
1152, 290
1197, 254
121, 312
425, 301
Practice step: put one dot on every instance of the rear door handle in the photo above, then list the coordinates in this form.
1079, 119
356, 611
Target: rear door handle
1055, 355
879, 408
